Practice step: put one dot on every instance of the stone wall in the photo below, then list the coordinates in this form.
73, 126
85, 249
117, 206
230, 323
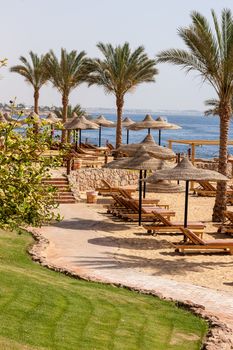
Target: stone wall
212, 165
90, 178
87, 179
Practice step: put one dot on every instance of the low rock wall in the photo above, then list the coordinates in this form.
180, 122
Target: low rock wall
90, 178
213, 166
87, 179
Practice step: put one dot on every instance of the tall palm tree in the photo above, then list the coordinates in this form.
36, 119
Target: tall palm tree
119, 72
34, 73
66, 74
210, 52
70, 111
214, 104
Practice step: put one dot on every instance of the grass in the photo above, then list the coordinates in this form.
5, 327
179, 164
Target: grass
41, 309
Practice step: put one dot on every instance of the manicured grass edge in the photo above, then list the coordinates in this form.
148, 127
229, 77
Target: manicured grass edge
218, 333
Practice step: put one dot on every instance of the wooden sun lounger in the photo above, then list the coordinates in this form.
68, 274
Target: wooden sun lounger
128, 195
164, 225
197, 244
128, 210
108, 189
147, 211
227, 225
207, 189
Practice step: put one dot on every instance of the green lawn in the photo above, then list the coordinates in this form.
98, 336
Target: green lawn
42, 309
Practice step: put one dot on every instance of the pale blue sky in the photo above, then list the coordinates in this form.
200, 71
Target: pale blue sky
74, 24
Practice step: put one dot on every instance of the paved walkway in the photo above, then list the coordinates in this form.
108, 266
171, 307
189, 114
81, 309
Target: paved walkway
71, 247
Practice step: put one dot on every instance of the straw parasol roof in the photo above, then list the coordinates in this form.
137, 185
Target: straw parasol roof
164, 186
81, 123
165, 125
52, 119
186, 171
127, 121
150, 146
118, 163
149, 123
142, 160
102, 121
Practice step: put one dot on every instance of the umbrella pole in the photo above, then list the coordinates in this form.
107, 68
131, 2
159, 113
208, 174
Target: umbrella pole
186, 207
178, 161
148, 131
140, 199
144, 185
76, 140
80, 136
159, 137
100, 136
127, 137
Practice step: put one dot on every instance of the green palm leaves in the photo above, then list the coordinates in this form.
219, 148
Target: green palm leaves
34, 73
66, 74
210, 52
119, 72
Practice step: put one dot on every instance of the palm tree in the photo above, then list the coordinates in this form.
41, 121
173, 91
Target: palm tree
66, 75
214, 104
34, 74
71, 111
210, 52
120, 72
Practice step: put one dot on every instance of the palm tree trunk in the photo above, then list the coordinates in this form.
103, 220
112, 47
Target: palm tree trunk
65, 101
36, 109
220, 201
119, 104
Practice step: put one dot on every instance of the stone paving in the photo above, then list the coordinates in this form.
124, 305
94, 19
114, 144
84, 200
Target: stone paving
70, 247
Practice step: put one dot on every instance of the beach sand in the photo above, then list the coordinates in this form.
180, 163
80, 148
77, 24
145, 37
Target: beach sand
155, 255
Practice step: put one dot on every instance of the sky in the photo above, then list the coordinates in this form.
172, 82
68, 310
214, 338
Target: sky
75, 24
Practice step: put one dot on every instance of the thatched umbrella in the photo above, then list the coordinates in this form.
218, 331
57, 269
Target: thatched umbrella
103, 122
141, 161
166, 126
149, 123
80, 123
185, 171
52, 119
164, 186
150, 146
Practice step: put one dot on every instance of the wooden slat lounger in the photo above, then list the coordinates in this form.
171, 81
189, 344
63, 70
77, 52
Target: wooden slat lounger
147, 211
108, 189
126, 194
164, 225
227, 225
128, 210
197, 244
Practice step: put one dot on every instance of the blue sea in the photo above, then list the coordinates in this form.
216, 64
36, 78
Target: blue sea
193, 127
